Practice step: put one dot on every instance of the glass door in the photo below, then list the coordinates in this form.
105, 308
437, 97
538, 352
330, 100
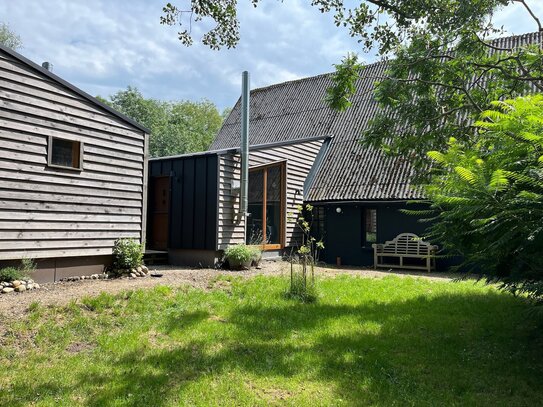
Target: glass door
267, 198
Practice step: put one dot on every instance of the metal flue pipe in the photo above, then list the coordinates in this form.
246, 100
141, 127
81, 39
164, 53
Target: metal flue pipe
244, 199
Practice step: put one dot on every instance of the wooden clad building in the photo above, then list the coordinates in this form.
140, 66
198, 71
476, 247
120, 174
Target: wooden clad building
194, 209
73, 174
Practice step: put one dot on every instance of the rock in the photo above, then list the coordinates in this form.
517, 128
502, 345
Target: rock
29, 286
132, 275
20, 288
30, 281
139, 269
145, 269
36, 286
6, 290
16, 283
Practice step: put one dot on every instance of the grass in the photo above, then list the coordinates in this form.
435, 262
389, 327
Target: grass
376, 342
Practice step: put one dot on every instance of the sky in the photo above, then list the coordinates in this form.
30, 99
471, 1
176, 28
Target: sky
103, 46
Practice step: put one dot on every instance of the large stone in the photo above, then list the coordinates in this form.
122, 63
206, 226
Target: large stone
36, 286
6, 290
133, 275
20, 288
29, 286
139, 269
16, 283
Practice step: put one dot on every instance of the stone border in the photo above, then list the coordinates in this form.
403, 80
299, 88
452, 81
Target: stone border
18, 286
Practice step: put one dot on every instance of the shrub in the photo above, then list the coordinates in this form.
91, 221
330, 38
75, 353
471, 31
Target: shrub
127, 253
487, 196
240, 253
28, 266
10, 274
256, 256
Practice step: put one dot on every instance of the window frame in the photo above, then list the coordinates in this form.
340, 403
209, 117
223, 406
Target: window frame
365, 243
282, 164
79, 168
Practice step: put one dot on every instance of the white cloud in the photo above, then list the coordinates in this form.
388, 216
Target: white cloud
103, 46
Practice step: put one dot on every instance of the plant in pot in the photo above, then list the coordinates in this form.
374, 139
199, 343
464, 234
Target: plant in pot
239, 257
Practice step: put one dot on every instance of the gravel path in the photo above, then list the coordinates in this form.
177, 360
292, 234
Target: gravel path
16, 304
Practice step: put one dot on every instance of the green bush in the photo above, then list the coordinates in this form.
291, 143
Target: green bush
239, 253
10, 274
28, 266
127, 253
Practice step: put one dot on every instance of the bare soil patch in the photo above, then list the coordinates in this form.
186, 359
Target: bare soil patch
61, 293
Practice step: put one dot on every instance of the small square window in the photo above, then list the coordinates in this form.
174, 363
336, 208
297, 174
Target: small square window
370, 226
65, 153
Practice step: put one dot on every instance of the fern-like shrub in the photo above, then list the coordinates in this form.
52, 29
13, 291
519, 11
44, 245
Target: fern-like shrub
487, 196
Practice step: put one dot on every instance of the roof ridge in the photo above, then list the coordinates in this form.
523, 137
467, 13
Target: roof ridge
381, 61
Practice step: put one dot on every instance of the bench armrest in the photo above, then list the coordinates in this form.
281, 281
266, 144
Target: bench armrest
377, 246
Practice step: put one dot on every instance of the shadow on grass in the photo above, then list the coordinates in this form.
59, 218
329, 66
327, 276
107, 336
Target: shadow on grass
448, 349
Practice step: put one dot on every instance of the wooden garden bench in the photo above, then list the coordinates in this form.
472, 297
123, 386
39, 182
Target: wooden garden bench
405, 245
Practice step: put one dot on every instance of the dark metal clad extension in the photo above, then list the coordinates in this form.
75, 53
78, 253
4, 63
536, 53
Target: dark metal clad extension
296, 110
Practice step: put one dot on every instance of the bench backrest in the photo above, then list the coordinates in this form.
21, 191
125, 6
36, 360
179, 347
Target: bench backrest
407, 243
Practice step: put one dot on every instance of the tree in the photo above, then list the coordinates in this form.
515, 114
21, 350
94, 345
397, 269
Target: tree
9, 38
438, 80
176, 127
487, 196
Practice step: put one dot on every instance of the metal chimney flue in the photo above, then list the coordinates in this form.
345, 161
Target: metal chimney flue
48, 66
244, 146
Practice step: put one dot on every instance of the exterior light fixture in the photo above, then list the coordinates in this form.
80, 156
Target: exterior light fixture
338, 210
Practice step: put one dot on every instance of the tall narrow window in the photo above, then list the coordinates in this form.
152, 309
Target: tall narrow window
370, 226
266, 206
65, 153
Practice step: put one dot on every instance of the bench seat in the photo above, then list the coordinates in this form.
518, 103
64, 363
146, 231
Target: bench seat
405, 245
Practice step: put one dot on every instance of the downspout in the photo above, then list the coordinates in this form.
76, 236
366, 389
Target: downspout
244, 199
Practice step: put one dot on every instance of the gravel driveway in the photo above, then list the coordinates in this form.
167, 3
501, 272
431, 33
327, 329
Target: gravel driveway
16, 304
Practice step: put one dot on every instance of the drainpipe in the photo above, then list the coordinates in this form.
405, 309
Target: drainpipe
244, 147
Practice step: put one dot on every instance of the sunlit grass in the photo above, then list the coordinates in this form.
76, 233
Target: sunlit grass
394, 341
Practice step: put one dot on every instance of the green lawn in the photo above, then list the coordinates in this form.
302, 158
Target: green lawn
395, 341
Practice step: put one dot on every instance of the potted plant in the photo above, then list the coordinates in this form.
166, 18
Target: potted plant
239, 257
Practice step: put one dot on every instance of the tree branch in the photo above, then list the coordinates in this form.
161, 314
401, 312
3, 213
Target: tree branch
523, 2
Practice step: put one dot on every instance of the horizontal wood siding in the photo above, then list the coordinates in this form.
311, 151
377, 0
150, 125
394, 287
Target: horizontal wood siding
47, 212
299, 157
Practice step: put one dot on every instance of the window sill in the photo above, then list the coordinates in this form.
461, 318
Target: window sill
61, 167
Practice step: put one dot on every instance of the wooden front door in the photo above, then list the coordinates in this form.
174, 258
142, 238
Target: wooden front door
160, 213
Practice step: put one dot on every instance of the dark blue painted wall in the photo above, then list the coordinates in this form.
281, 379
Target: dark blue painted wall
344, 236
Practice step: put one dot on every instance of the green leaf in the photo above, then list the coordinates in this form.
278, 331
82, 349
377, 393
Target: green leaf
498, 181
466, 174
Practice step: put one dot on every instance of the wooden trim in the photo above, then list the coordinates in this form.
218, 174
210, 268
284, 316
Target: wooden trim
77, 154
267, 165
145, 188
282, 164
264, 204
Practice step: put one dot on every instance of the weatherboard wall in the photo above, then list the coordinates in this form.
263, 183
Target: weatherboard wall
48, 212
299, 158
